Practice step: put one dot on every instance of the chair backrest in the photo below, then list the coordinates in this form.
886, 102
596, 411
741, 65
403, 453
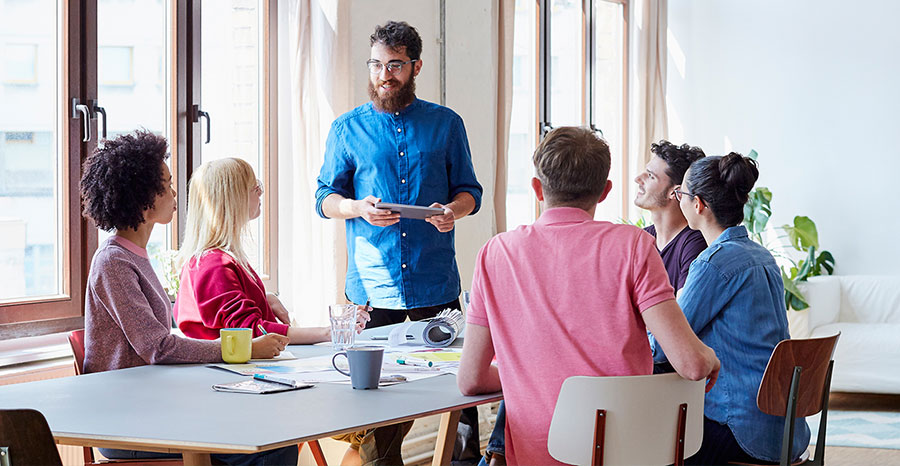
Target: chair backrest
76, 341
813, 355
27, 439
642, 414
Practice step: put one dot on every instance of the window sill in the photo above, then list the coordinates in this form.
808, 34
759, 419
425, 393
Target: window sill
31, 350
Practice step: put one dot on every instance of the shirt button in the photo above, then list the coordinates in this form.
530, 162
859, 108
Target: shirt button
396, 113
399, 130
401, 154
404, 266
403, 235
403, 180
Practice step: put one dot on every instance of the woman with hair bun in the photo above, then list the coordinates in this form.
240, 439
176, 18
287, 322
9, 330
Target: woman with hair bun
734, 300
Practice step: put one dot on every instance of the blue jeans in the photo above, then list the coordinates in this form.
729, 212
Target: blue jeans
278, 457
497, 443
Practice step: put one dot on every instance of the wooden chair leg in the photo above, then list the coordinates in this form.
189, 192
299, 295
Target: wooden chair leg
88, 455
680, 433
317, 452
787, 439
599, 437
819, 458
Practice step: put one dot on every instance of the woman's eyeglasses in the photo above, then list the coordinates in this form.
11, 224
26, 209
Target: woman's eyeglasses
259, 187
679, 193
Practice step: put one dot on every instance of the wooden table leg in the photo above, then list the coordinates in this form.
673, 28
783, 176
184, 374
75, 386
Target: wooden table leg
446, 438
196, 459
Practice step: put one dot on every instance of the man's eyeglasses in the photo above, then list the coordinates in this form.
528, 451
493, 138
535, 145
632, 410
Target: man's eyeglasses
678, 194
393, 67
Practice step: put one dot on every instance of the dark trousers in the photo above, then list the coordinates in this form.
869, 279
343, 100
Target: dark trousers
720, 447
467, 450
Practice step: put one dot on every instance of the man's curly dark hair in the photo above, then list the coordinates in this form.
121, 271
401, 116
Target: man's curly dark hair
678, 158
396, 34
122, 179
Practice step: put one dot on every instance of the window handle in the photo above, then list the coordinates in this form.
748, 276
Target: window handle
197, 115
546, 127
96, 109
85, 117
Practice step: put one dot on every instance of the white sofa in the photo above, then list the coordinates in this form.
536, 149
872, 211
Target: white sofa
866, 310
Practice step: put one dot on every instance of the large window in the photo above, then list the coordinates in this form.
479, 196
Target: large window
80, 71
41, 233
569, 69
234, 96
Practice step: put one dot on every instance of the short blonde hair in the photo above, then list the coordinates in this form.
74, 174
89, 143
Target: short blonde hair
218, 211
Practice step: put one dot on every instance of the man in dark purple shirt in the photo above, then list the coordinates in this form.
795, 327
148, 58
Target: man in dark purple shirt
677, 243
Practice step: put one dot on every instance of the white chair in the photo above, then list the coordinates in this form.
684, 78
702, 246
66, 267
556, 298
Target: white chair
646, 419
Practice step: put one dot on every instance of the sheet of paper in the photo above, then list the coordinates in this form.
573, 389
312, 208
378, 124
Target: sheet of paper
397, 336
284, 356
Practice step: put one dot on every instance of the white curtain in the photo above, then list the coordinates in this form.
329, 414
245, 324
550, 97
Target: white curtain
650, 112
505, 38
319, 92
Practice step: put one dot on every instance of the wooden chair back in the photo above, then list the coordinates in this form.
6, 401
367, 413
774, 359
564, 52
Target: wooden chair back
648, 419
25, 439
76, 341
813, 355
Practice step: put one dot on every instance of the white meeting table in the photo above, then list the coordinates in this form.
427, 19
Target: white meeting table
173, 408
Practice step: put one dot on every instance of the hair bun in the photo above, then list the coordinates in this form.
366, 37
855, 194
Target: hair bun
738, 174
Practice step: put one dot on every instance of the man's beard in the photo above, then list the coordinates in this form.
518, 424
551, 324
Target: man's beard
396, 100
657, 200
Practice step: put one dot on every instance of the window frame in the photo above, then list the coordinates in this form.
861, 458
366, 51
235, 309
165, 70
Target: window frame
543, 98
65, 311
77, 45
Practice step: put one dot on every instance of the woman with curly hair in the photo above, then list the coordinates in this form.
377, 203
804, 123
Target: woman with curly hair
127, 189
219, 288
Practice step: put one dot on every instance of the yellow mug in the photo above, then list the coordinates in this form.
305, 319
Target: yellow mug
236, 344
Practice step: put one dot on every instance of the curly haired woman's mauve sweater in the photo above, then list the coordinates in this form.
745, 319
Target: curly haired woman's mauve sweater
128, 316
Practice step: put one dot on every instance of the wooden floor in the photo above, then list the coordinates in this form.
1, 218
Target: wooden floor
849, 456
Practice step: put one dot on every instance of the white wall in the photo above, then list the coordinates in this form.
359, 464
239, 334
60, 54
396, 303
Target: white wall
812, 85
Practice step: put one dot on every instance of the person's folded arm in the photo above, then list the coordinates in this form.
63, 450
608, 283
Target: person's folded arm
690, 357
476, 373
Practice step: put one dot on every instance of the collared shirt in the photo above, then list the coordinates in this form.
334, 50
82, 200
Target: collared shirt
418, 156
563, 297
734, 301
679, 253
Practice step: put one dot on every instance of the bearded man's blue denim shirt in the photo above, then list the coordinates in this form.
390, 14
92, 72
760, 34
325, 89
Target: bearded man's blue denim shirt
734, 302
418, 156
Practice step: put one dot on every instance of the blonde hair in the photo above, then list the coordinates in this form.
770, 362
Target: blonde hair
217, 209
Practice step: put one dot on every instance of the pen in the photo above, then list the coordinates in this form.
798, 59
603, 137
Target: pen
410, 362
272, 378
261, 329
384, 337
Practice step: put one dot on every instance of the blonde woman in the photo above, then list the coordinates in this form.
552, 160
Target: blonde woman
219, 288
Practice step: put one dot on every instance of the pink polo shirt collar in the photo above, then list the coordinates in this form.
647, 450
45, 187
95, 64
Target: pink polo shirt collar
563, 215
130, 246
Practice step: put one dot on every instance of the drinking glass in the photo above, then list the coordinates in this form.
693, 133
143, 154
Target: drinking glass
343, 325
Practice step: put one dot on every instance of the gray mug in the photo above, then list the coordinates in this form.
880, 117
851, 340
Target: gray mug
365, 365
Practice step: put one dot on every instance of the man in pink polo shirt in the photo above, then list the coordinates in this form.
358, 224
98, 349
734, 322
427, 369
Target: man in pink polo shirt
569, 296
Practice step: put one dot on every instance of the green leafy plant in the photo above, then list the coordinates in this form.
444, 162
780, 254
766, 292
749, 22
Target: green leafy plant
802, 236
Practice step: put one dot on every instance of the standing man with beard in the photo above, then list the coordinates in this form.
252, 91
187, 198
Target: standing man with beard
403, 150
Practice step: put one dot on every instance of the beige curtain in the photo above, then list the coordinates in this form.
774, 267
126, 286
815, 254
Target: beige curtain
650, 112
505, 38
319, 92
